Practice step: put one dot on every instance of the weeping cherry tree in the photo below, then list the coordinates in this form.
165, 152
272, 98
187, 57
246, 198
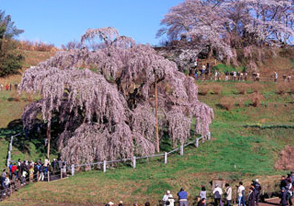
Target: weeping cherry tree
103, 99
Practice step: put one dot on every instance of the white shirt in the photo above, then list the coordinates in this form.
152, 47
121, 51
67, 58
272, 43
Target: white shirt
46, 162
229, 193
168, 197
240, 189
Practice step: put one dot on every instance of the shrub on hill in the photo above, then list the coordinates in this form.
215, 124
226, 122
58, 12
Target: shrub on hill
203, 89
256, 99
227, 102
281, 88
241, 88
216, 89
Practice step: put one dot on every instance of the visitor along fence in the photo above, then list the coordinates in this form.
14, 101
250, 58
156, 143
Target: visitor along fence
133, 161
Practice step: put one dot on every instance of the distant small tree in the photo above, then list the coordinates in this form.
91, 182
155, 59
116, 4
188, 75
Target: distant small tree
10, 59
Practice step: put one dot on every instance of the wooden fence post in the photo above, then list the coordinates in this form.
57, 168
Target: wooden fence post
61, 171
165, 158
208, 136
72, 170
48, 176
197, 143
38, 176
134, 162
104, 166
182, 150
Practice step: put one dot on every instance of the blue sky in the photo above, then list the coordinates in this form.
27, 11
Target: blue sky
61, 21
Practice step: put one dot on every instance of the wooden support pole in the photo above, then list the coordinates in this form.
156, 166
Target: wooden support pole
156, 117
48, 138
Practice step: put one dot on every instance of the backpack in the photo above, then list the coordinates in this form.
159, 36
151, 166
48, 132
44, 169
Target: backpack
257, 187
243, 193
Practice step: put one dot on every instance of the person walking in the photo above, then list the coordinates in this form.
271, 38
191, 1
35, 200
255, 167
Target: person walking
228, 194
251, 197
202, 193
168, 199
217, 192
241, 194
183, 197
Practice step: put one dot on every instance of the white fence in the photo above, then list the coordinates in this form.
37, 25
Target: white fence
134, 159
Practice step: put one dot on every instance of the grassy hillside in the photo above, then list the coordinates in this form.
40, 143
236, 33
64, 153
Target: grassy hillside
245, 144
11, 109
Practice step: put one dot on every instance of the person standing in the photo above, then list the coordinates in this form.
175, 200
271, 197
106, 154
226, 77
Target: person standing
276, 76
168, 199
251, 197
283, 183
182, 194
241, 194
217, 192
202, 193
228, 194
257, 189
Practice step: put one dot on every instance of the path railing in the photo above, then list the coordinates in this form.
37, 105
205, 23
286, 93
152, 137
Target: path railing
10, 148
133, 161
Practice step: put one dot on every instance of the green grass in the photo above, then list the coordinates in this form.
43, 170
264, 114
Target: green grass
236, 152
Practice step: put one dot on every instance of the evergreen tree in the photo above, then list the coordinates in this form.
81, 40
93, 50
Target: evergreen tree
10, 59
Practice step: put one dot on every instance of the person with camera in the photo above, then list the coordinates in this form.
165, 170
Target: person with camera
168, 199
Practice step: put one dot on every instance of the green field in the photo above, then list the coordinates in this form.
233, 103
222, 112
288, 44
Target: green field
246, 143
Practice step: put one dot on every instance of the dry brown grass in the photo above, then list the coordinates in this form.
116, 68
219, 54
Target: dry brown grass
36, 46
242, 88
256, 87
227, 102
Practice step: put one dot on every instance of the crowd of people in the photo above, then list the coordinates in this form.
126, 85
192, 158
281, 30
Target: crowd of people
206, 72
23, 172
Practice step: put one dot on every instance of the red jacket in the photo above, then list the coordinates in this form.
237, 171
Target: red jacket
13, 168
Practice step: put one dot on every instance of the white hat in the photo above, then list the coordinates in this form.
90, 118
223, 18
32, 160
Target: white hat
111, 203
167, 192
256, 180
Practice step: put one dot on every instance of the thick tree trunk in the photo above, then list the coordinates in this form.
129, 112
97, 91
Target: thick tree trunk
156, 117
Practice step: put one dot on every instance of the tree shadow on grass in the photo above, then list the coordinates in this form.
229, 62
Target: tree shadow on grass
27, 142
